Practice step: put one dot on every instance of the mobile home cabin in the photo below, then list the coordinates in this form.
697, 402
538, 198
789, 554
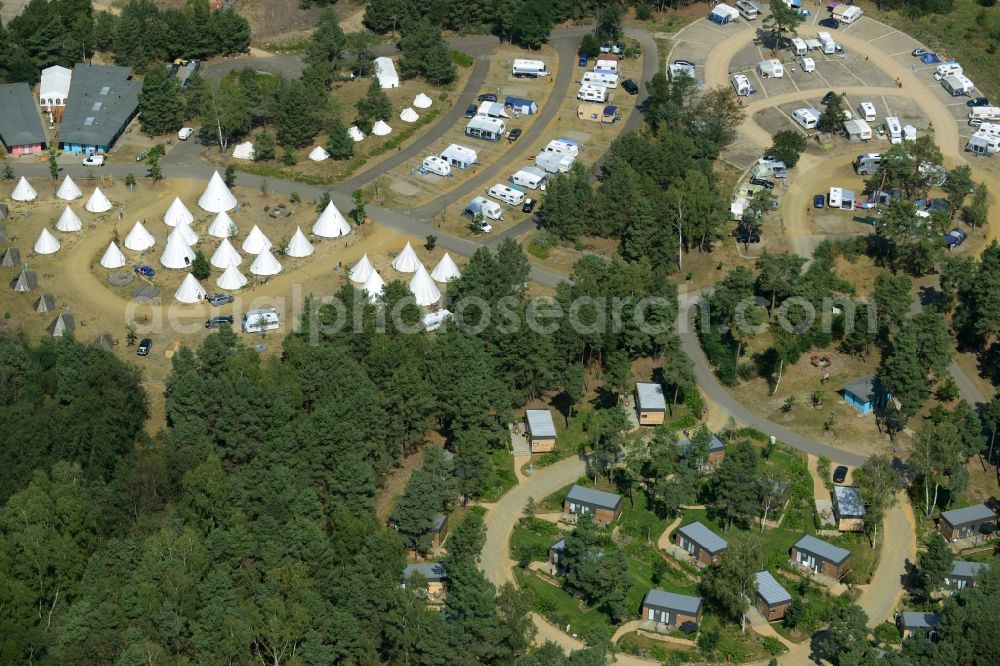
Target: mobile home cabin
894, 130
770, 69
821, 557
521, 105
529, 68
741, 84
984, 114
857, 130
807, 118
848, 508
747, 10
459, 156
847, 13
722, 14
529, 177
808, 64
772, 599
541, 430
485, 207
911, 623
598, 113
260, 320
666, 610
867, 164
603, 79
554, 162
958, 85
650, 405
798, 46
826, 43
604, 507
966, 522
489, 129
867, 111
435, 576
508, 195
589, 93
438, 165
700, 543
563, 147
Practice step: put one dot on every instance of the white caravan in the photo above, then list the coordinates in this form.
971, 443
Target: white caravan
807, 118
984, 114
867, 111
600, 79
485, 207
894, 129
808, 64
827, 45
508, 195
590, 93
563, 147
438, 165
529, 68
947, 69
530, 177
741, 84
798, 46
771, 69
260, 320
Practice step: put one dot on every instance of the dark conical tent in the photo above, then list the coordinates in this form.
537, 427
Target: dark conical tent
3, 235
4, 211
11, 258
45, 303
25, 281
105, 341
62, 325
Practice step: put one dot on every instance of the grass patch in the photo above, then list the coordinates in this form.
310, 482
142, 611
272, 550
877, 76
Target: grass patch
557, 605
462, 59
298, 45
649, 648
269, 171
502, 478
532, 538
775, 542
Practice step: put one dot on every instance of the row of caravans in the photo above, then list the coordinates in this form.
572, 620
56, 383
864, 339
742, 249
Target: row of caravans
953, 79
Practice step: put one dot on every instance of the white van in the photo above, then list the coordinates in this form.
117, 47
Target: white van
741, 84
260, 320
589, 93
867, 163
984, 114
867, 111
508, 195
947, 69
529, 68
600, 79
771, 69
747, 9
530, 177
798, 46
563, 147
894, 129
808, 64
438, 165
807, 118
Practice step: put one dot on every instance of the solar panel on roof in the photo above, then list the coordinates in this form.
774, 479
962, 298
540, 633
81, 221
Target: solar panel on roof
105, 90
97, 106
88, 121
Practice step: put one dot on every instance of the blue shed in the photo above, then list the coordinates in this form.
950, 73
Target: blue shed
521, 105
865, 393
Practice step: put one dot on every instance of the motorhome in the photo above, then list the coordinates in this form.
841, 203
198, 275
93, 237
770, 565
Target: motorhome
741, 84
530, 177
894, 130
770, 69
590, 93
529, 68
807, 118
958, 84
798, 46
847, 13
841, 198
438, 165
808, 64
260, 320
508, 195
485, 207
459, 156
747, 9
867, 111
600, 79
490, 129
947, 69
827, 45
984, 114
563, 147
867, 163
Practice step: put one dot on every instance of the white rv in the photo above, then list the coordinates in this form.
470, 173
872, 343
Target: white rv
530, 177
984, 114
827, 45
771, 69
605, 64
798, 46
529, 68
909, 133
947, 69
747, 9
485, 207
958, 84
260, 320
459, 156
867, 164
590, 93
857, 130
600, 79
847, 13
808, 64
741, 84
894, 129
867, 111
508, 195
807, 118
437, 165
554, 162
563, 147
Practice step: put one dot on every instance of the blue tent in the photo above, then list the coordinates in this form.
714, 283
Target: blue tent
930, 58
521, 105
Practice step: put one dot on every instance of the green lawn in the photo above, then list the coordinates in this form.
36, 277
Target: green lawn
536, 540
502, 477
557, 605
775, 545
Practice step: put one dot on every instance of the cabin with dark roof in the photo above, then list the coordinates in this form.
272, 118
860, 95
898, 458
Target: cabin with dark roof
916, 624
772, 599
716, 451
667, 610
700, 543
604, 507
435, 576
963, 574
556, 551
820, 557
865, 393
966, 522
20, 125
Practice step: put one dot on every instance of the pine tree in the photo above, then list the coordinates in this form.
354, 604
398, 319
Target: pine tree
416, 509
263, 148
472, 462
339, 143
375, 105
200, 267
736, 484
161, 108
935, 562
296, 119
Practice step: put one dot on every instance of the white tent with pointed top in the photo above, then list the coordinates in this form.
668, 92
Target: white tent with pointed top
381, 128
265, 264
422, 101
23, 191
177, 253
255, 242
68, 190
407, 261
217, 197
408, 115
113, 257
46, 243
185, 230
373, 286
231, 279
69, 221
190, 290
299, 246
331, 224
446, 269
176, 213
98, 203
139, 239
222, 226
318, 154
423, 288
361, 270
355, 133
225, 255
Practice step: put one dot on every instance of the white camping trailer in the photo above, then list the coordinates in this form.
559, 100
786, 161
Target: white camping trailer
459, 156
984, 114
530, 177
554, 162
529, 68
747, 10
563, 147
807, 118
958, 84
894, 129
771, 69
485, 207
847, 13
606, 64
741, 84
437, 165
506, 194
599, 79
808, 64
798, 46
827, 45
589, 93
867, 111
260, 320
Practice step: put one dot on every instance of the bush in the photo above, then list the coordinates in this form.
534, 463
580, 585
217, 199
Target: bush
462, 59
773, 645
887, 632
708, 642
200, 267
746, 371
684, 421
644, 12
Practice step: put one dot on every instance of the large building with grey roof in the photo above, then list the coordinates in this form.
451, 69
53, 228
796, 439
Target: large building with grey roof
20, 125
102, 101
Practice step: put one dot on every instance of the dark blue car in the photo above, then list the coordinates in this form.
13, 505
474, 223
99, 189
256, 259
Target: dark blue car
583, 60
819, 201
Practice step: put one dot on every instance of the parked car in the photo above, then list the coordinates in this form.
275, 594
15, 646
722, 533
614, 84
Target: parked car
613, 48
487, 97
470, 111
93, 160
528, 206
185, 133
219, 299
916, 53
827, 98
684, 63
216, 322
955, 237
830, 23
763, 182
978, 101
840, 474
514, 134
583, 59
819, 201
630, 86
144, 346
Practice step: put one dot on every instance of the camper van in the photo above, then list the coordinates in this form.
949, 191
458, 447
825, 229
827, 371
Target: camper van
958, 84
867, 164
770, 69
563, 147
485, 207
260, 320
807, 118
600, 79
438, 165
590, 93
508, 195
747, 9
530, 177
894, 129
984, 114
947, 69
847, 14
529, 68
741, 84
459, 156
798, 46
827, 45
866, 111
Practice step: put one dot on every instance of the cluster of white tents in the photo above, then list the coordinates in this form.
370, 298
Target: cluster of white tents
421, 285
69, 221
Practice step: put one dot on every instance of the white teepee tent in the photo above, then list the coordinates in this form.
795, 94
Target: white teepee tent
361, 270
190, 290
381, 128
407, 261
318, 154
177, 253
355, 132
98, 203
255, 242
68, 190
113, 257
231, 279
408, 115
217, 197
222, 226
46, 243
23, 191
265, 264
446, 269
423, 288
422, 101
225, 255
176, 213
374, 285
299, 246
69, 221
139, 239
185, 230
331, 224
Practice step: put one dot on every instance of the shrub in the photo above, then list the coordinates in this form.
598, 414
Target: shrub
644, 12
462, 59
200, 267
773, 645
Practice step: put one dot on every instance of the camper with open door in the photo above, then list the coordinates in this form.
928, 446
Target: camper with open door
770, 69
485, 207
260, 320
438, 165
